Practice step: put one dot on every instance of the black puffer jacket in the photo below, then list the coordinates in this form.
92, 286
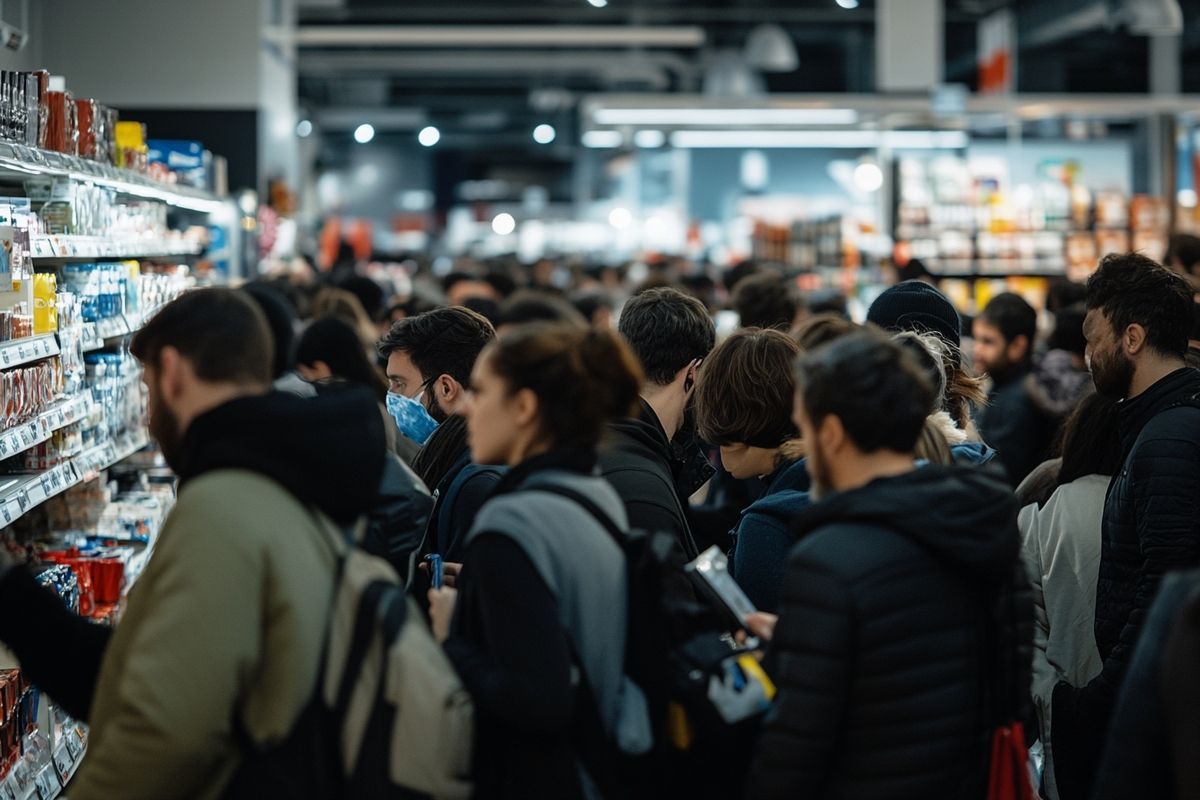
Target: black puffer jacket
892, 601
636, 458
1151, 526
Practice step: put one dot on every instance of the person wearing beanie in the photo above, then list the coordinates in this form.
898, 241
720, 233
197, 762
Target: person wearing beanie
917, 307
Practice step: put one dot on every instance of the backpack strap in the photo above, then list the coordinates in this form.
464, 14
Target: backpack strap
587, 504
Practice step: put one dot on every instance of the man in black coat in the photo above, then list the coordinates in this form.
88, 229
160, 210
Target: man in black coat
1004, 332
1139, 314
670, 333
905, 630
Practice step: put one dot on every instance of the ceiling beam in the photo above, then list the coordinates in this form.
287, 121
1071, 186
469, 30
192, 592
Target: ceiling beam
499, 36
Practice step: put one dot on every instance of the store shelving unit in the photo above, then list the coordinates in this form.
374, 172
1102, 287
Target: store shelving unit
88, 248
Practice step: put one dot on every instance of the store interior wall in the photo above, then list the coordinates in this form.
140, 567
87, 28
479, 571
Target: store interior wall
1104, 164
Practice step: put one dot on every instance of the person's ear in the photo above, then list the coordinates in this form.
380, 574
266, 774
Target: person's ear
1018, 349
172, 374
689, 375
831, 433
1134, 339
525, 408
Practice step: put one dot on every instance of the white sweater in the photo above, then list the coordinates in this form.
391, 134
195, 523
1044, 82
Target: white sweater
1062, 555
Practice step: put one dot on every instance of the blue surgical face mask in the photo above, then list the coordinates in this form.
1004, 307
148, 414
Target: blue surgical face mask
411, 417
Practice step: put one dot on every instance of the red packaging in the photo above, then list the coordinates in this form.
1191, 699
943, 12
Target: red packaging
108, 574
63, 133
87, 117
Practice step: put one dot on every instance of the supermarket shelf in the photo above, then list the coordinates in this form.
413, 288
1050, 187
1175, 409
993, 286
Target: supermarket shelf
21, 351
30, 434
29, 780
67, 248
113, 328
18, 163
24, 492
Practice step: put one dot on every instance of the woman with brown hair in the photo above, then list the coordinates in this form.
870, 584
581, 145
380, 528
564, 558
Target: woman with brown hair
744, 398
537, 626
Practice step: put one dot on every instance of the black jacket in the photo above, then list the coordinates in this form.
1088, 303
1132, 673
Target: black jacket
396, 525
1151, 526
637, 460
892, 603
1013, 425
327, 451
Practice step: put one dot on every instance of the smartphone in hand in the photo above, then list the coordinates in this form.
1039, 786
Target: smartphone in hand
435, 570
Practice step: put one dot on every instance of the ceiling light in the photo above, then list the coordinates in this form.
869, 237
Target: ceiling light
364, 133
868, 177
598, 3
304, 129
859, 140
770, 49
848, 4
725, 116
603, 139
620, 218
504, 224
1187, 198
429, 136
649, 139
544, 134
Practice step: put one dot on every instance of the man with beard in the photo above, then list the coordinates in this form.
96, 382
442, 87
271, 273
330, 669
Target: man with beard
221, 639
429, 359
1004, 334
902, 640
1137, 323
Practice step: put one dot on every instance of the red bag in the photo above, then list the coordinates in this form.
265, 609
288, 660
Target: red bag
1008, 775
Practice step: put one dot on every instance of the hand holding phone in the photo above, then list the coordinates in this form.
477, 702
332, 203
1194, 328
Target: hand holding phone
436, 571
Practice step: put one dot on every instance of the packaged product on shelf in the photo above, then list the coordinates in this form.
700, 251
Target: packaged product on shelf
89, 121
63, 134
131, 145
45, 303
183, 159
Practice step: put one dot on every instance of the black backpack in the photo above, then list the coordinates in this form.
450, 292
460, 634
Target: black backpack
706, 697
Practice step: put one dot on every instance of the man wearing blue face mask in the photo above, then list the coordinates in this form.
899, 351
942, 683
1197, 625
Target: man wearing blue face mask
429, 362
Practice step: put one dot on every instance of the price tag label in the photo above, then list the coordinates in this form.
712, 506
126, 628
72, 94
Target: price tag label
4, 445
6, 356
43, 248
22, 501
6, 514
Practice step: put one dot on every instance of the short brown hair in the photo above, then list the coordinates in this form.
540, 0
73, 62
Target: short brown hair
583, 377
821, 329
222, 332
746, 388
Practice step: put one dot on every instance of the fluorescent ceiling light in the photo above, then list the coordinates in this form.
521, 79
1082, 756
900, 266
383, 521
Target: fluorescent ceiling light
649, 139
603, 139
304, 128
848, 4
544, 134
598, 3
364, 133
725, 116
504, 224
861, 140
429, 136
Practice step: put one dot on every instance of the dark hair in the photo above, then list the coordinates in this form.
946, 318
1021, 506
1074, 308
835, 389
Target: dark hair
1012, 316
1068, 331
767, 300
822, 329
1184, 248
222, 332
828, 301
738, 272
369, 293
445, 341
589, 303
1132, 289
1091, 441
745, 390
667, 330
455, 278
1063, 293
1195, 332
874, 386
532, 305
485, 307
332, 341
582, 377
281, 319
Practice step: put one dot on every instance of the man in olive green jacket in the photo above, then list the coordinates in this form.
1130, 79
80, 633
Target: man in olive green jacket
223, 633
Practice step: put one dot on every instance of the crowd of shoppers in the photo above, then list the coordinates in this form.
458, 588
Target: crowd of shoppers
969, 549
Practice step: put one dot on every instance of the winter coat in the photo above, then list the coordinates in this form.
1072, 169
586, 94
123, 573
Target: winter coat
636, 459
877, 650
1151, 526
228, 619
1062, 555
1143, 756
396, 526
764, 535
1011, 424
541, 597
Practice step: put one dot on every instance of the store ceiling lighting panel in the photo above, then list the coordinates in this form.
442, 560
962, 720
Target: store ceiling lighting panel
741, 117
861, 140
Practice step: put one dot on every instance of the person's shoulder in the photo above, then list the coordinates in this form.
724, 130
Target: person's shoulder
848, 547
238, 503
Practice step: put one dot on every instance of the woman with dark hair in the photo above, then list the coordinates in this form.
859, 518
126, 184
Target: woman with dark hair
1062, 555
541, 598
744, 397
329, 349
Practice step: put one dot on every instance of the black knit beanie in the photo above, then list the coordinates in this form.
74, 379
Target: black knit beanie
916, 306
